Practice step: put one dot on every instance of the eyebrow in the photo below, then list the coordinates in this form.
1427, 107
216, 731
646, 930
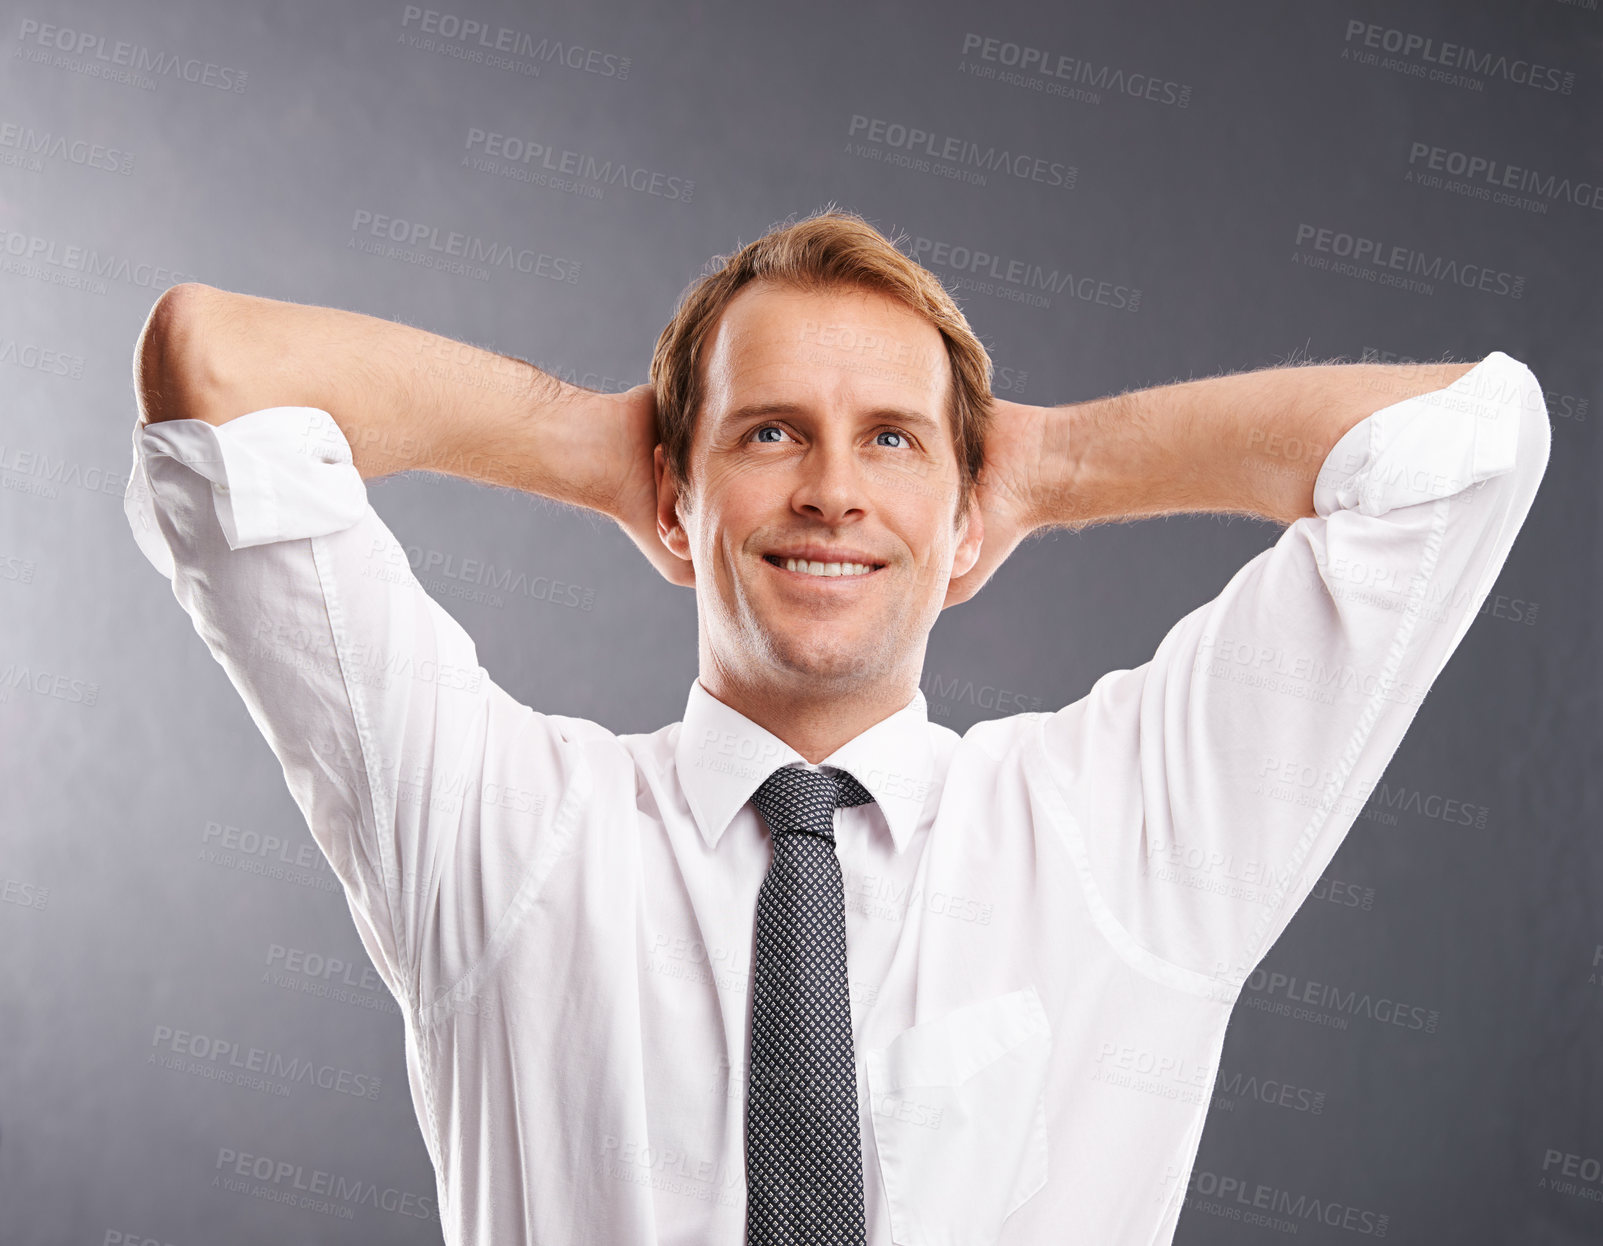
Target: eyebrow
902, 415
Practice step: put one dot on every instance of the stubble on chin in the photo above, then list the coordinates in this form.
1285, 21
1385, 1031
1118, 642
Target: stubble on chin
795, 652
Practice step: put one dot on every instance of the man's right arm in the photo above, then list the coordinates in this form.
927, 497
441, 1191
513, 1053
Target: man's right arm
441, 802
406, 399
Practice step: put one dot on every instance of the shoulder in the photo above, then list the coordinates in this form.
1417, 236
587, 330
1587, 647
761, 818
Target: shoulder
997, 738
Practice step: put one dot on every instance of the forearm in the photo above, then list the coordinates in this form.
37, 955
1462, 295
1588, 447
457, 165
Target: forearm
1252, 443
406, 399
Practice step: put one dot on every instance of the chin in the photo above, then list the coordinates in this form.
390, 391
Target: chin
833, 659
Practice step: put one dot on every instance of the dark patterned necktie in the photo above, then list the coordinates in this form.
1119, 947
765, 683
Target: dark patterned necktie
804, 1166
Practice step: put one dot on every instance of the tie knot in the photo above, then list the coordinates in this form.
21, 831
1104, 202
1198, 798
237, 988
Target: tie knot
796, 800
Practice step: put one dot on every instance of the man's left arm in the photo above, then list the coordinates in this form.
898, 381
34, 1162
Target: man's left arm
1204, 793
1251, 444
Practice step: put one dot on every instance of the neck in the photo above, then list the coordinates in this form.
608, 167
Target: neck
813, 723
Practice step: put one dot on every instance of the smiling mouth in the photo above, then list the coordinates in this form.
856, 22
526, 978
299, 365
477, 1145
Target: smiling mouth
825, 570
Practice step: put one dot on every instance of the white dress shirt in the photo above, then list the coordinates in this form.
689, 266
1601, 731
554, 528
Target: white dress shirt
1049, 918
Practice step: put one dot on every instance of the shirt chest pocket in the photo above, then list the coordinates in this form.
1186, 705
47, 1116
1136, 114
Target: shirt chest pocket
960, 1119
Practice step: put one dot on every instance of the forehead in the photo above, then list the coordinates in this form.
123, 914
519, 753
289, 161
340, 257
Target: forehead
779, 343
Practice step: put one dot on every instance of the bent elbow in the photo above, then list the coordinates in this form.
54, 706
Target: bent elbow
176, 375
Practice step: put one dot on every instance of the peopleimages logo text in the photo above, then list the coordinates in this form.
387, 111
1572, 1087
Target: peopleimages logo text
1459, 56
1023, 274
1050, 63
987, 158
1500, 174
541, 50
292, 1177
1378, 254
140, 64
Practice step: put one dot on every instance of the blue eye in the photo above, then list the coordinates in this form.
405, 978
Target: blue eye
757, 434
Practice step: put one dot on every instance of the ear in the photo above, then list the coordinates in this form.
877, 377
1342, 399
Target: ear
669, 528
970, 539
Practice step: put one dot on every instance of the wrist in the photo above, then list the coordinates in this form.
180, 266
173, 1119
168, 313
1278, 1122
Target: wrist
501, 421
1057, 500
594, 450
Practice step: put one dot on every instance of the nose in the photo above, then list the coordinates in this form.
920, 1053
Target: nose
832, 485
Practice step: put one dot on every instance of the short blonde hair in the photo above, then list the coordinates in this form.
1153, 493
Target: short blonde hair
832, 248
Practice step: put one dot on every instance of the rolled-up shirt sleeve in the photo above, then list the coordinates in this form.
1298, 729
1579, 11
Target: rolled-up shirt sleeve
1203, 794
440, 801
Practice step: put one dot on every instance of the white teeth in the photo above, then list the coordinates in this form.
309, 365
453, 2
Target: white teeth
827, 568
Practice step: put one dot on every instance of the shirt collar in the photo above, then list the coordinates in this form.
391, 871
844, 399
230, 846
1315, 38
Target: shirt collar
723, 757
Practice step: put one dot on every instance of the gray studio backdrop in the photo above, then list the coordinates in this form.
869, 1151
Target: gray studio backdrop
1205, 190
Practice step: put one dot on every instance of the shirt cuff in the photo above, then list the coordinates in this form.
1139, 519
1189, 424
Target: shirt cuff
1431, 445
276, 474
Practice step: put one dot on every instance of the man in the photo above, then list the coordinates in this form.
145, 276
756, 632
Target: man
805, 966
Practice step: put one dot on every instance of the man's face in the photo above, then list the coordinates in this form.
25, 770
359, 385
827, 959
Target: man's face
823, 439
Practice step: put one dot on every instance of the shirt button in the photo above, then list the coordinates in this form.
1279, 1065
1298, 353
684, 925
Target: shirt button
222, 488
